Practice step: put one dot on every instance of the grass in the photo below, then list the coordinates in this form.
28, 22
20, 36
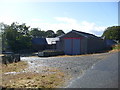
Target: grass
116, 47
14, 67
33, 80
53, 79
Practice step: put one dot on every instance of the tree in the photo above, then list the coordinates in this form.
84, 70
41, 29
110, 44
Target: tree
112, 33
50, 33
36, 32
60, 32
17, 37
4, 43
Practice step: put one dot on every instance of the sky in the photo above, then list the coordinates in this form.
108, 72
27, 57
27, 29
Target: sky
91, 17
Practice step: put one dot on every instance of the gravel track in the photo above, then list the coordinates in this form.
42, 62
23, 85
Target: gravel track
73, 66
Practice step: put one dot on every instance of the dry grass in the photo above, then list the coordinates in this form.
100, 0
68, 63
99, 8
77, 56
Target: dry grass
14, 67
33, 80
114, 50
78, 55
53, 79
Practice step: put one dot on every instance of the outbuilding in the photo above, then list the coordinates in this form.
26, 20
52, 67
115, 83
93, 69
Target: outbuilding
77, 42
40, 44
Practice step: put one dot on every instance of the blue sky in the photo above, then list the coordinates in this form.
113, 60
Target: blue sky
91, 17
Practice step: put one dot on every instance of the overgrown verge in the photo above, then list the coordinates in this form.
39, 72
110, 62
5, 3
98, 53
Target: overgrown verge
14, 67
33, 80
53, 79
116, 47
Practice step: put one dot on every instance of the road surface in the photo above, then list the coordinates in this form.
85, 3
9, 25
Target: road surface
104, 74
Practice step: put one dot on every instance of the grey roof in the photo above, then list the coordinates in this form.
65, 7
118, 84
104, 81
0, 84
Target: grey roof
80, 33
44, 41
84, 34
39, 41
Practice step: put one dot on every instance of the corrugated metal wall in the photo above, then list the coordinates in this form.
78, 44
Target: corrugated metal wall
95, 45
83, 45
72, 46
79, 45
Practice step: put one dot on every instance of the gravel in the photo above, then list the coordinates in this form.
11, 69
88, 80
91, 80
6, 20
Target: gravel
73, 66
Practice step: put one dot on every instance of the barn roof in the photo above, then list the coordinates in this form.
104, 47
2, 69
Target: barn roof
39, 41
44, 41
81, 33
84, 33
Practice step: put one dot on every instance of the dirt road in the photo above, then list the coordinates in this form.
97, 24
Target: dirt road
74, 66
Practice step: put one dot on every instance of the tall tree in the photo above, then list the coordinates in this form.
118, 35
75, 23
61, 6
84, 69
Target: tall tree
112, 33
17, 37
3, 30
36, 32
60, 32
50, 33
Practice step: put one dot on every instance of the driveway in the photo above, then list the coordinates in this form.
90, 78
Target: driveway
74, 67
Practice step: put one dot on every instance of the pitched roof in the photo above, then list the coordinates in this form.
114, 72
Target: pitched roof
39, 41
44, 41
81, 33
84, 33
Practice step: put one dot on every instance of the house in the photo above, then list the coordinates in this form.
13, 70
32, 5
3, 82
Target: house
77, 42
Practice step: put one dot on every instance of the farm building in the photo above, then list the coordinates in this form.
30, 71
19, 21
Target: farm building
40, 44
76, 42
110, 42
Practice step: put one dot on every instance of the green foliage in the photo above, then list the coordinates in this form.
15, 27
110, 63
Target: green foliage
112, 33
16, 37
36, 32
50, 34
60, 32
116, 47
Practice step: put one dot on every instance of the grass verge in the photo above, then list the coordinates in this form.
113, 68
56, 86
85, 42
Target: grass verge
54, 79
115, 48
14, 67
33, 80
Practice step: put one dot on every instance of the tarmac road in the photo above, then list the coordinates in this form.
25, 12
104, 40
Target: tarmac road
104, 74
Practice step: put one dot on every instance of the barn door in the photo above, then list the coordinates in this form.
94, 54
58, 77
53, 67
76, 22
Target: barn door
76, 46
72, 46
68, 47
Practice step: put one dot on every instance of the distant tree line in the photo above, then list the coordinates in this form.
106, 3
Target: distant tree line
16, 37
112, 33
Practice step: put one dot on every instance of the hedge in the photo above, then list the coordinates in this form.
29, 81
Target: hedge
48, 53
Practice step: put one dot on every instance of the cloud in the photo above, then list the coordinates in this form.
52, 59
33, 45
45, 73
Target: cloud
10, 19
66, 19
70, 23
64, 23
67, 25
92, 27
